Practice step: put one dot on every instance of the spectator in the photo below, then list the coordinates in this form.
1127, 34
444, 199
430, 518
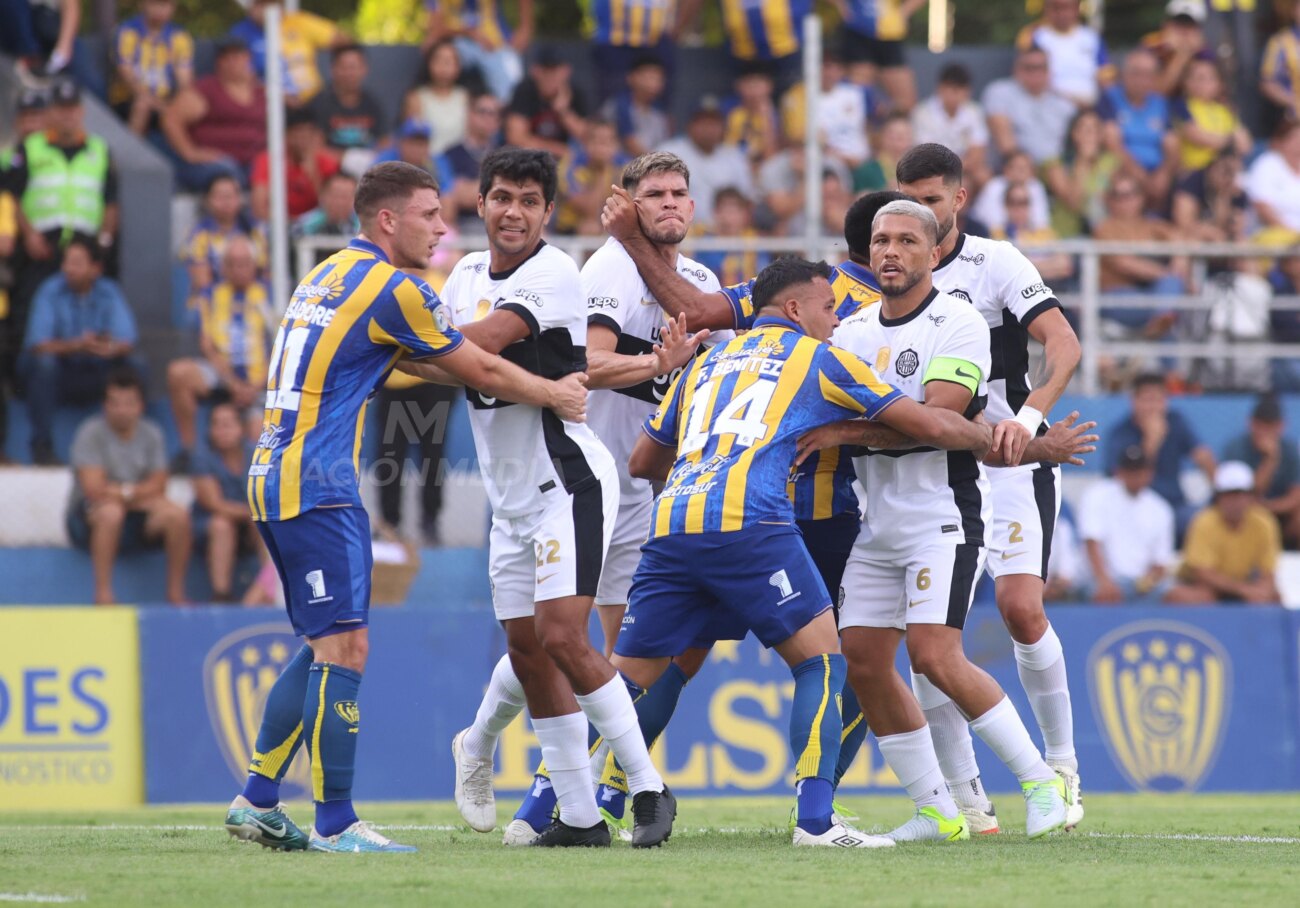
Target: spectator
780, 189
439, 99
80, 329
1024, 111
1180, 40
733, 216
1078, 180
41, 35
302, 36
482, 135
896, 137
234, 337
1205, 124
306, 165
1128, 533
622, 34
222, 520
950, 117
219, 125
586, 176
1165, 437
335, 215
1053, 267
637, 111
870, 40
154, 59
713, 163
347, 114
547, 111
1274, 458
844, 111
1284, 325
772, 38
1232, 546
411, 144
1017, 170
1209, 205
1273, 182
752, 118
1137, 124
1076, 56
1279, 75
223, 218
119, 493
30, 118
483, 39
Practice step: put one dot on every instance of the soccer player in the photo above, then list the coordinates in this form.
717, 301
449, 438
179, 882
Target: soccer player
923, 540
553, 488
348, 323
1007, 290
723, 441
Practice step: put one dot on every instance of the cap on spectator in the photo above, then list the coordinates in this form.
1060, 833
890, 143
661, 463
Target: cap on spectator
1233, 476
33, 99
1186, 9
1133, 458
1267, 409
298, 116
230, 45
708, 106
65, 93
413, 128
548, 57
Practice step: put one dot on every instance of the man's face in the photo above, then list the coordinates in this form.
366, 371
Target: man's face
902, 254
1017, 202
812, 306
123, 408
1135, 479
234, 66
224, 200
601, 144
79, 269
484, 117
348, 71
1263, 431
754, 89
416, 229
646, 82
239, 265
158, 13
1149, 401
731, 217
1139, 74
224, 430
550, 79
337, 199
1233, 505
302, 140
1124, 200
942, 198
414, 150
514, 215
67, 119
1061, 15
953, 97
705, 131
1031, 72
665, 207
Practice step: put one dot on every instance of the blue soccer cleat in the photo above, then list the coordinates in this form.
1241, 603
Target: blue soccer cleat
358, 838
269, 827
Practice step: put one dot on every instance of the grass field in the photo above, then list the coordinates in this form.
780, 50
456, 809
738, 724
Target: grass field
1131, 850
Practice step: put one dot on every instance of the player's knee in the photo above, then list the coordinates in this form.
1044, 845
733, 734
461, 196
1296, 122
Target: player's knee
868, 674
934, 660
1024, 616
563, 643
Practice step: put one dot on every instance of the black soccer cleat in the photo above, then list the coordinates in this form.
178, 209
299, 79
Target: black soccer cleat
562, 835
653, 813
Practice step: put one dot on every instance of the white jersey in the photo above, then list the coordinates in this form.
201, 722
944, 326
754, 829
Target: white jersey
618, 298
526, 452
922, 496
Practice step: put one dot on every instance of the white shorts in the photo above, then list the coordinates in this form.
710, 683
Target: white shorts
1025, 504
934, 585
630, 531
556, 552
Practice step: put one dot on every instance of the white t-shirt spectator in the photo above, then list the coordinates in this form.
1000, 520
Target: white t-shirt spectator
1136, 532
961, 132
724, 166
842, 117
990, 208
1040, 123
1074, 60
1271, 181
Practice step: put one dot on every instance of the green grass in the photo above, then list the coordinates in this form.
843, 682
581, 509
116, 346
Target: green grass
723, 852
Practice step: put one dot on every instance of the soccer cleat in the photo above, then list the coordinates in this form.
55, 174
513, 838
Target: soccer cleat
929, 825
1045, 806
841, 836
1073, 794
841, 814
358, 838
653, 813
269, 827
981, 822
561, 835
519, 833
617, 825
474, 797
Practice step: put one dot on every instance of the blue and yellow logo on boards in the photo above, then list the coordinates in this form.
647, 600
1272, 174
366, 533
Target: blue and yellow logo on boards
1161, 692
238, 673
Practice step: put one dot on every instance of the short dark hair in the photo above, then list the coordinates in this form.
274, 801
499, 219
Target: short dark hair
223, 177
645, 60
1147, 379
87, 242
352, 48
387, 183
520, 165
783, 273
857, 222
731, 194
335, 177
955, 74
929, 159
124, 378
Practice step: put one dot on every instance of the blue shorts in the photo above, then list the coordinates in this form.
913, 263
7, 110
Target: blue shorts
829, 542
689, 586
324, 559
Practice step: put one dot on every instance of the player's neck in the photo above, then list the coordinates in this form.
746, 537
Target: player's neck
502, 262
903, 305
669, 253
949, 243
383, 247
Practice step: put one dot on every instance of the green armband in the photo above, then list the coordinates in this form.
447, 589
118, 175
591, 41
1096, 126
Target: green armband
958, 371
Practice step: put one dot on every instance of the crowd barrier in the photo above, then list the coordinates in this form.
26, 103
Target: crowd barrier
106, 708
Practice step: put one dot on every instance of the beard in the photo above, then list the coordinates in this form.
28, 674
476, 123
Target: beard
664, 235
897, 285
946, 227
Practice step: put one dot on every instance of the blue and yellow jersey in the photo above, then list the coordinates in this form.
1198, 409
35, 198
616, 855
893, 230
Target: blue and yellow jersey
484, 16
763, 29
879, 19
753, 132
206, 244
627, 23
346, 326
735, 416
237, 323
155, 60
854, 286
1281, 62
732, 267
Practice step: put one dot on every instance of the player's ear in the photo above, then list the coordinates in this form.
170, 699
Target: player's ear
480, 205
959, 200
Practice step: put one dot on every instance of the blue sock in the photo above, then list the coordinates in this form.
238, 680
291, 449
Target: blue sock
855, 732
656, 707
815, 727
538, 807
280, 735
331, 719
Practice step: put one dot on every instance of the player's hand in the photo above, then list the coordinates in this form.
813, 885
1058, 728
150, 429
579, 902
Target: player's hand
830, 435
678, 345
1010, 439
1065, 441
569, 397
619, 216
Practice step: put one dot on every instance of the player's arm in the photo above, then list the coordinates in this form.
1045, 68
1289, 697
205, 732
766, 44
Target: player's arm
429, 371
1064, 442
498, 330
1061, 355
938, 427
609, 369
499, 378
651, 460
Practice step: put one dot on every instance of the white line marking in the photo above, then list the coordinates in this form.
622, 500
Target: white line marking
1196, 837
38, 897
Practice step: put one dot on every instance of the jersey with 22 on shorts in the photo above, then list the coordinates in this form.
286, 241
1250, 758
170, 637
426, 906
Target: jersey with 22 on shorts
347, 324
1007, 290
734, 418
924, 534
552, 485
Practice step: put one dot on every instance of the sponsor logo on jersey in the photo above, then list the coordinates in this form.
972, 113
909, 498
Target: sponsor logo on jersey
528, 296
781, 582
270, 438
937, 319
309, 311
976, 259
1033, 290
960, 294
906, 363
316, 583
440, 319
698, 273
602, 302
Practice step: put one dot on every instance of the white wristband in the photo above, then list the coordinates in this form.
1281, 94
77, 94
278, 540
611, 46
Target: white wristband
1030, 418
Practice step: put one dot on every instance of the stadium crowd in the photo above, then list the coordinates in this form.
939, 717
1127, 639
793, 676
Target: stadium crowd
1069, 143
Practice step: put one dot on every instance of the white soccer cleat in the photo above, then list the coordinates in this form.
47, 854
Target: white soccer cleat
841, 836
474, 796
1045, 806
519, 834
1073, 794
929, 825
981, 822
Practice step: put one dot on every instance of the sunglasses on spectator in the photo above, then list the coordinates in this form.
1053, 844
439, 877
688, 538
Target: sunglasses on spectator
1017, 203
1124, 192
488, 111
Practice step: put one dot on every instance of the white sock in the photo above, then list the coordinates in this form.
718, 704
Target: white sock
1042, 672
564, 748
503, 700
1001, 729
911, 756
952, 744
610, 710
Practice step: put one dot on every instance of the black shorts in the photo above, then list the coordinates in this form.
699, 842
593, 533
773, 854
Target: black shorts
858, 48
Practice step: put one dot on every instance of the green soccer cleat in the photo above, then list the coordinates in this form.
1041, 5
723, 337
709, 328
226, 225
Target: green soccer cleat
840, 816
358, 838
929, 825
1045, 806
617, 825
269, 827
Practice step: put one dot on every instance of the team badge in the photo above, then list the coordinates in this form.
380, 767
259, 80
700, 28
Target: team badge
348, 711
906, 363
482, 309
882, 359
440, 318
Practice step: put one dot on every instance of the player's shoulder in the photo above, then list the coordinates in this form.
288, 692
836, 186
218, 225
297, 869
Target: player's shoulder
949, 311
697, 273
609, 257
989, 254
550, 260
